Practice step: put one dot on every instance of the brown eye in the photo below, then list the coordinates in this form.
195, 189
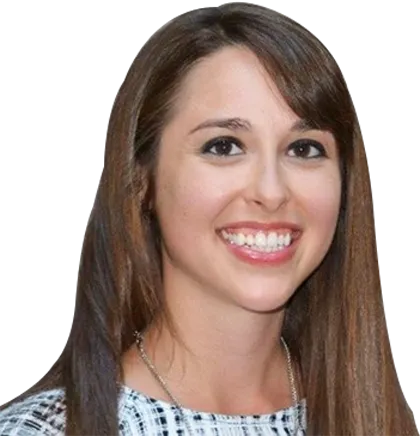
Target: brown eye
307, 149
222, 147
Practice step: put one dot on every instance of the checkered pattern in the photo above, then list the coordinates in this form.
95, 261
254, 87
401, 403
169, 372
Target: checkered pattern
44, 414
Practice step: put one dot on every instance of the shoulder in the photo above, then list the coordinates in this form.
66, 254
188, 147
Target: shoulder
42, 413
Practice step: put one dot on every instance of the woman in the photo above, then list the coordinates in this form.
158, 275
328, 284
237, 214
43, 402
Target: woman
229, 281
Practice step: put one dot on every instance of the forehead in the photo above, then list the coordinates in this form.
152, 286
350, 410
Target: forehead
232, 82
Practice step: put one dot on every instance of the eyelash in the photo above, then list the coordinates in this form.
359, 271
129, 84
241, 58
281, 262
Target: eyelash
228, 140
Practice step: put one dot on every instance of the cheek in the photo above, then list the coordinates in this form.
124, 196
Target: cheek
187, 199
320, 201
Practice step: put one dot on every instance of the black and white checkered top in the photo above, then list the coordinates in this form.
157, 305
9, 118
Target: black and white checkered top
44, 414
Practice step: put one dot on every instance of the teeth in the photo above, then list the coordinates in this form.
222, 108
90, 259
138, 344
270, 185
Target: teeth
272, 239
266, 242
250, 240
260, 240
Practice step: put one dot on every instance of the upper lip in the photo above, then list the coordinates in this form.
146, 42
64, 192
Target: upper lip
262, 226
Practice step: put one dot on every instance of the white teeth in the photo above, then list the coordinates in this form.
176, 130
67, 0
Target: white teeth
250, 240
240, 239
266, 242
272, 239
260, 240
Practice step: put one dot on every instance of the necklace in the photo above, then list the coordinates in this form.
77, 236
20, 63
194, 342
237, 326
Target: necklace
152, 368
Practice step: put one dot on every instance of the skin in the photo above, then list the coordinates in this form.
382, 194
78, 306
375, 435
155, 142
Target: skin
229, 312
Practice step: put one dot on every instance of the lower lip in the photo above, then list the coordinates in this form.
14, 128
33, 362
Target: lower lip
253, 257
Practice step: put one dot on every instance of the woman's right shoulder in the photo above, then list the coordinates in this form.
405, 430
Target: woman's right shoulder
42, 413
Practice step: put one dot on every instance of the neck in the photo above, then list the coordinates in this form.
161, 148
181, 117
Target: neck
227, 371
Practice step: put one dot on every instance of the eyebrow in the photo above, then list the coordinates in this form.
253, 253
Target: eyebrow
301, 125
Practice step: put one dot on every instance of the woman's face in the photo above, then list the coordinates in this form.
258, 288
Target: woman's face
257, 170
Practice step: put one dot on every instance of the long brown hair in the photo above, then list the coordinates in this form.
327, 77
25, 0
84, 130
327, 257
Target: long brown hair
334, 324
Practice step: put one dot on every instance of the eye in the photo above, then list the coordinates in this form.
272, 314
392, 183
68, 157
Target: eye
307, 149
222, 146
302, 148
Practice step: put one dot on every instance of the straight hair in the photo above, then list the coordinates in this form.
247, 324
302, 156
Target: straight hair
334, 323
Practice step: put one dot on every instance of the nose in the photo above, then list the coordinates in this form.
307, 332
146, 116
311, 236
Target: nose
268, 185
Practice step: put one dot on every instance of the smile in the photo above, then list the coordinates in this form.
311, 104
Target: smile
263, 248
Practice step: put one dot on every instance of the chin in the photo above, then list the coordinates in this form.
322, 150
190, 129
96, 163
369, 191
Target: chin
264, 299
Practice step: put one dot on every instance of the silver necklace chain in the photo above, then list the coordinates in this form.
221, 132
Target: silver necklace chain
152, 368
